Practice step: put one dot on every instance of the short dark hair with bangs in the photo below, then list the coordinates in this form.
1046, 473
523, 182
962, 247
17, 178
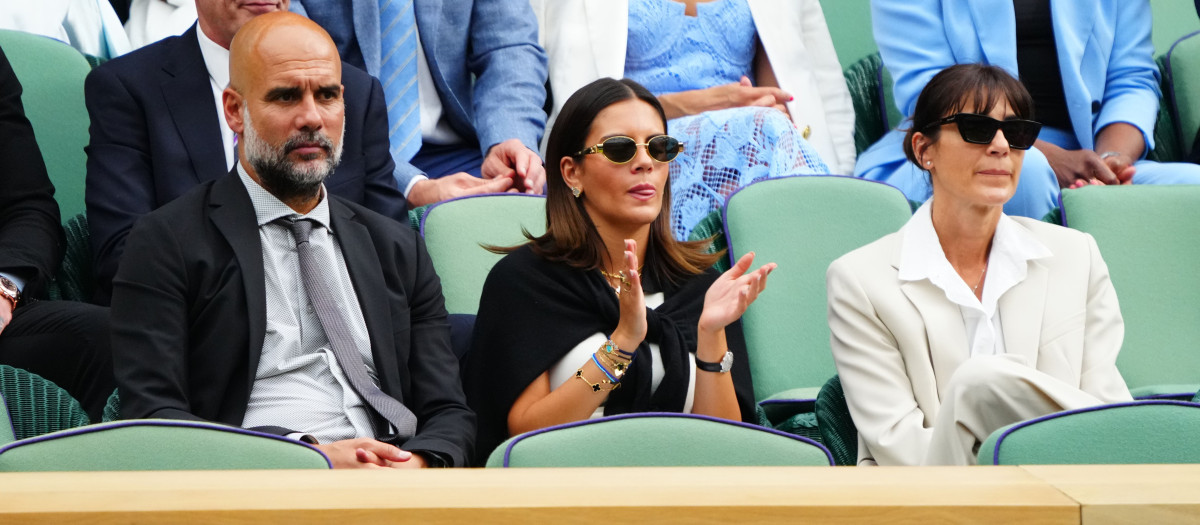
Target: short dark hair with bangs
953, 88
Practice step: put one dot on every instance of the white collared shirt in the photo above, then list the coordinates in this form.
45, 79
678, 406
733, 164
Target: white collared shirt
216, 61
299, 383
921, 257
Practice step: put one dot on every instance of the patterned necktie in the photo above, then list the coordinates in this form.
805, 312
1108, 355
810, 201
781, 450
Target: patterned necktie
337, 329
398, 73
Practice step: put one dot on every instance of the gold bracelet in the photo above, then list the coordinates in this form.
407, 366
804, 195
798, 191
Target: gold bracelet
612, 350
618, 368
597, 387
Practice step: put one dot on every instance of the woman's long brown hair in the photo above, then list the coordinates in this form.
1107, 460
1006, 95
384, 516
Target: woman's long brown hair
570, 236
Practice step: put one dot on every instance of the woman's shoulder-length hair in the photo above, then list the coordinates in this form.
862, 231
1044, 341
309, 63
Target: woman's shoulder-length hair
571, 236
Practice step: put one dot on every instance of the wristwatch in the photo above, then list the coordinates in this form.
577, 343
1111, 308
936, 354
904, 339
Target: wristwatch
722, 367
9, 290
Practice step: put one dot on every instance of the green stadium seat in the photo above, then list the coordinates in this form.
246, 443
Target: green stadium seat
455, 232
849, 23
158, 444
875, 111
657, 440
710, 227
74, 280
52, 74
803, 224
112, 409
35, 406
1181, 95
838, 432
1140, 432
1148, 236
1167, 144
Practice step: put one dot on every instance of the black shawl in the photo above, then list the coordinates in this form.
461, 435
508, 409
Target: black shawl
532, 312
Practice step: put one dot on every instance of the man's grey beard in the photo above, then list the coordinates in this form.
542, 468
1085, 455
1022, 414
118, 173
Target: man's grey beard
282, 176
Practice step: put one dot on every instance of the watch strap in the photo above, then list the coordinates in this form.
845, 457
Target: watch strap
712, 367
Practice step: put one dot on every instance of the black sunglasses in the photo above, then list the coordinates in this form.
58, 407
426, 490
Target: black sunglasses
981, 129
663, 148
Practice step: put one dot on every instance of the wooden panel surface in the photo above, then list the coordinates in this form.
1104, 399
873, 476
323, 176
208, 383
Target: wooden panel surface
1111, 494
831, 495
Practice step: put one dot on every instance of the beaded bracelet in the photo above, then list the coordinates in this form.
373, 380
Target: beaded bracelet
609, 347
596, 387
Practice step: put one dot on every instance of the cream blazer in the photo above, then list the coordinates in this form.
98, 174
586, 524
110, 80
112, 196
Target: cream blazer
585, 40
897, 343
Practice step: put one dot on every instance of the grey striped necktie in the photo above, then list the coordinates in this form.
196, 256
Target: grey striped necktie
337, 329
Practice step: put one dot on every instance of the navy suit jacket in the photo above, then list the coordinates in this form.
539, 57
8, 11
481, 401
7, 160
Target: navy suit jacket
155, 134
484, 57
189, 315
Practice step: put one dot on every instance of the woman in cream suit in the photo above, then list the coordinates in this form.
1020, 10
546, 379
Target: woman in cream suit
967, 320
793, 58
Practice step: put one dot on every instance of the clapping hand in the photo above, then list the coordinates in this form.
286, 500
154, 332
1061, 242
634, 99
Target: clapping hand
732, 292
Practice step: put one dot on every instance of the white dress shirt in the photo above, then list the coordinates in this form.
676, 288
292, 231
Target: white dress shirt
299, 384
921, 257
216, 60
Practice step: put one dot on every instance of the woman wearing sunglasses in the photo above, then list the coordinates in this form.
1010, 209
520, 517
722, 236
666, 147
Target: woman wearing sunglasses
1088, 65
967, 320
720, 68
607, 313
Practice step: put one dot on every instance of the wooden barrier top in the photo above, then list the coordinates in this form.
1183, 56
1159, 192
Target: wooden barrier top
1031, 495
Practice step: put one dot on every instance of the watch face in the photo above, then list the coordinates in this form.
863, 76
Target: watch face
727, 362
10, 288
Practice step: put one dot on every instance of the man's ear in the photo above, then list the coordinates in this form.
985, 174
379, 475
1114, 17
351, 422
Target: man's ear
570, 173
233, 104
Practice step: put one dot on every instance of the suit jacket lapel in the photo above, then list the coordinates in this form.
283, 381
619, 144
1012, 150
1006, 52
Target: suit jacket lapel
362, 262
1073, 22
995, 25
188, 93
233, 215
1021, 313
429, 22
366, 30
608, 27
944, 328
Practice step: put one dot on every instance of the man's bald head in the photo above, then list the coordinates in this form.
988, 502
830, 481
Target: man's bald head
280, 38
285, 100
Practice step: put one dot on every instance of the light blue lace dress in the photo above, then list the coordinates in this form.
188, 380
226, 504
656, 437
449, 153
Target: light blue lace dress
669, 52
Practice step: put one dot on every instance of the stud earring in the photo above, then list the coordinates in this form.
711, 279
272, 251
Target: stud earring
576, 192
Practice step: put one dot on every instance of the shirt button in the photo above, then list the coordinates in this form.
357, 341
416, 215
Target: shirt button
807, 132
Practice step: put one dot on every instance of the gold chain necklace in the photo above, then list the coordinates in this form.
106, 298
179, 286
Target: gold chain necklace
621, 277
975, 289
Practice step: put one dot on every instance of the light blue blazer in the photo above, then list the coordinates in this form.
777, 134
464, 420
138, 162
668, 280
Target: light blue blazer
1104, 48
485, 61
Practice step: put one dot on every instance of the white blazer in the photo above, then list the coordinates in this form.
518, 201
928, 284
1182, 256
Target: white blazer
585, 40
897, 343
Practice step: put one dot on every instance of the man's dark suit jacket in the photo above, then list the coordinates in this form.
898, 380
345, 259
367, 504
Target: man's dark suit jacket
155, 134
31, 236
189, 315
